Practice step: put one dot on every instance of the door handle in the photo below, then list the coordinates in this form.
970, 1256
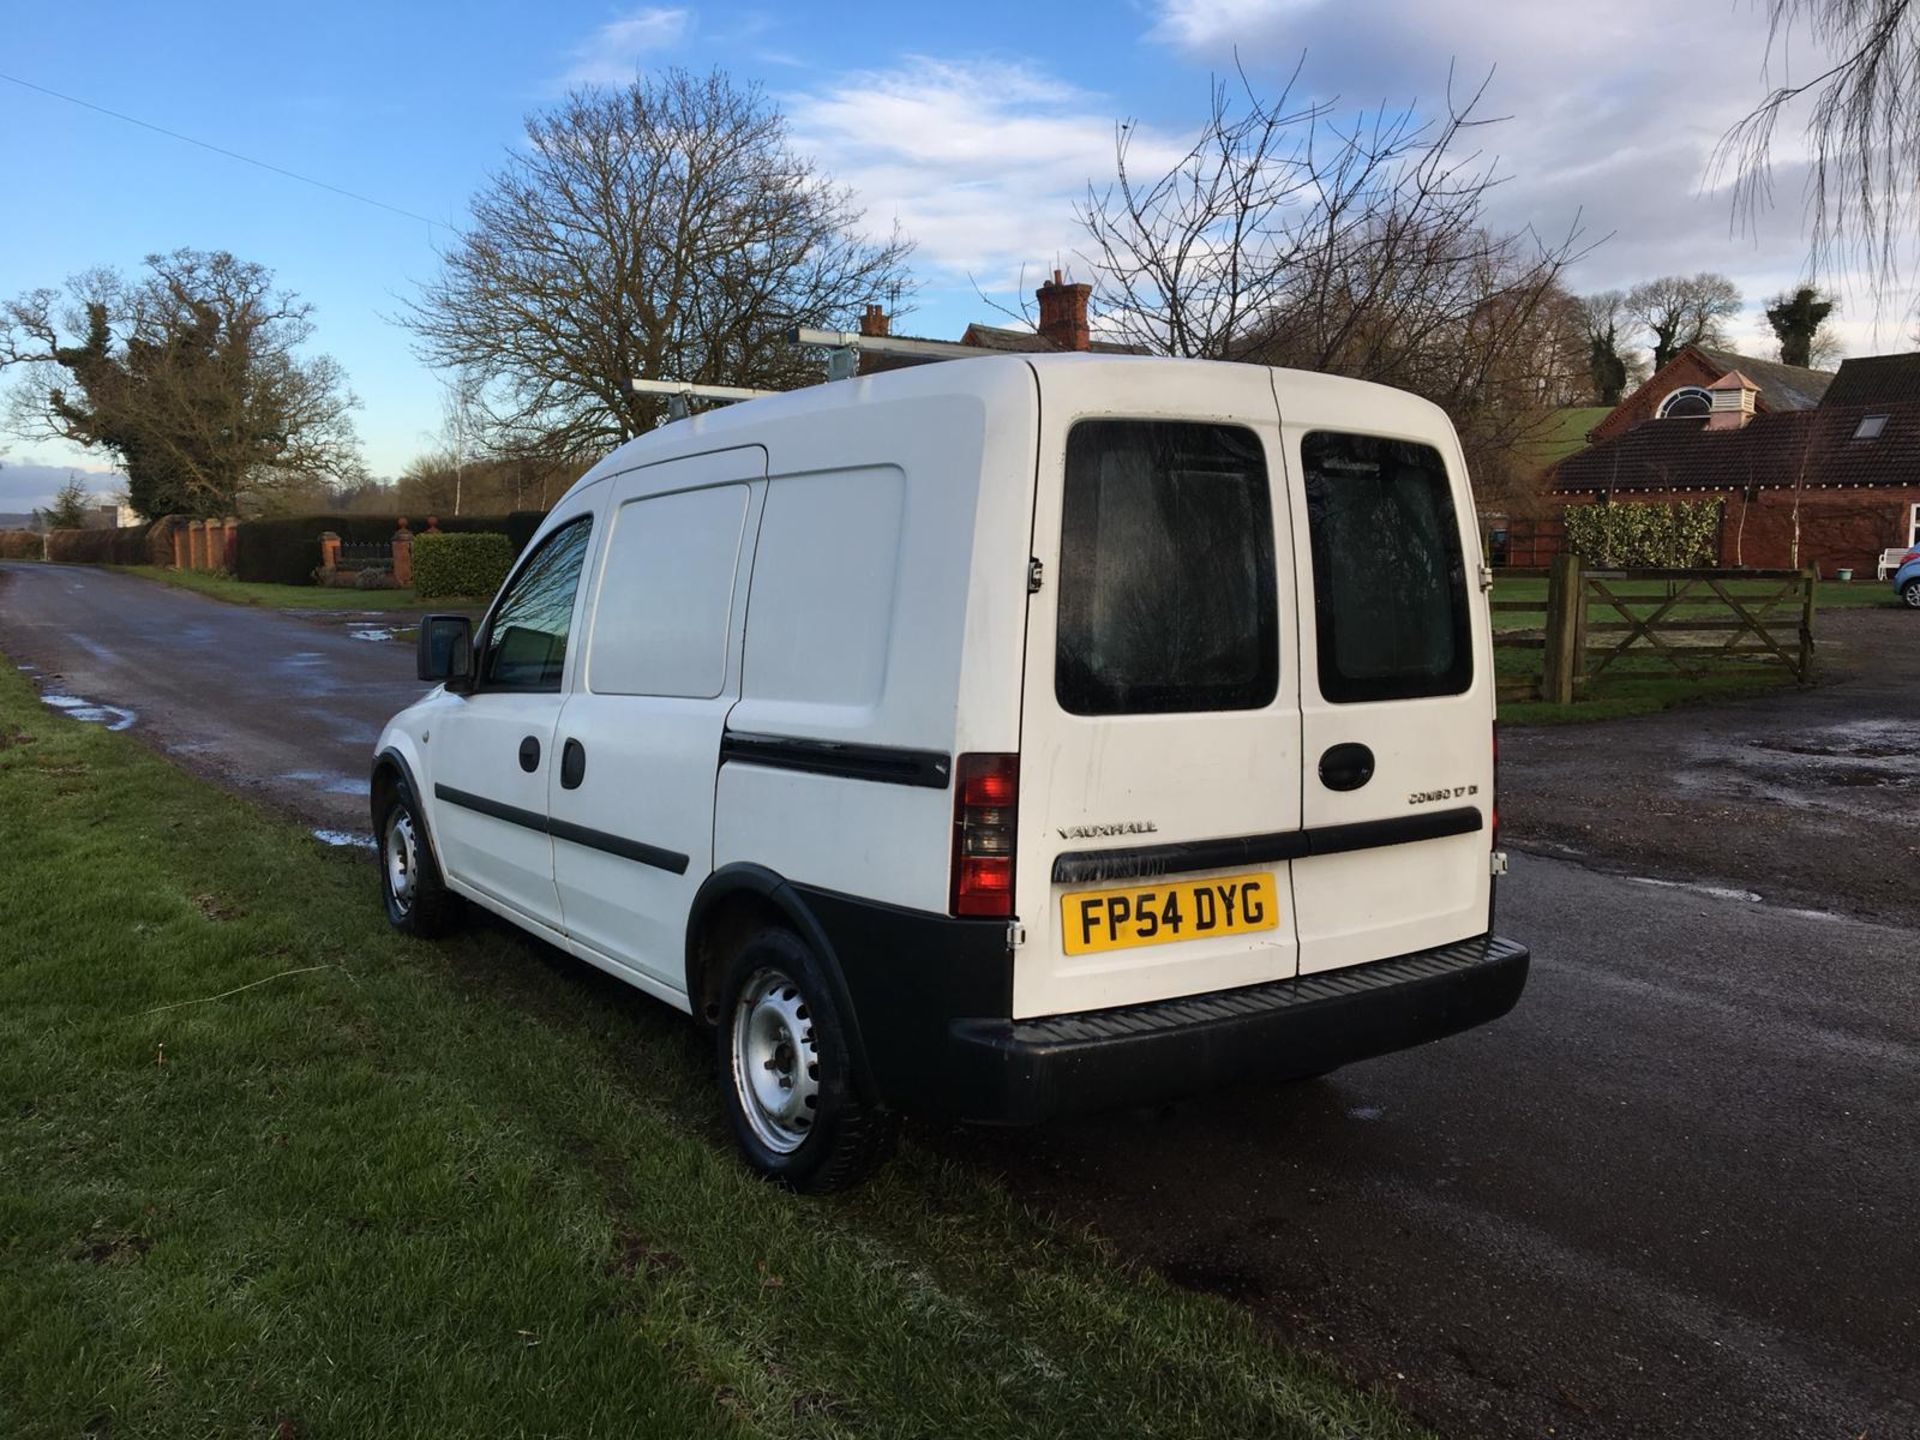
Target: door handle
530, 754
573, 765
1346, 767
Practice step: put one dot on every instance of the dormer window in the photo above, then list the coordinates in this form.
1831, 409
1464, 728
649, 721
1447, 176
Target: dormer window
1870, 427
1689, 402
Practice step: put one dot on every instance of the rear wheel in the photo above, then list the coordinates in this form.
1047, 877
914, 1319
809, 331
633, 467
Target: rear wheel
418, 901
786, 1071
1910, 592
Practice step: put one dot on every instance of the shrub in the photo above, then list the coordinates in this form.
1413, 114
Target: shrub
460, 564
21, 544
374, 578
1636, 535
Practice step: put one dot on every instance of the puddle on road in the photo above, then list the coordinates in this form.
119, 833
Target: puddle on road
375, 633
345, 838
331, 781
1718, 892
114, 717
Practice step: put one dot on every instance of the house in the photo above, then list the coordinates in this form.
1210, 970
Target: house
1812, 469
1062, 326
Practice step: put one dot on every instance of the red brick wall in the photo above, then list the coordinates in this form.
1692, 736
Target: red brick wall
1838, 528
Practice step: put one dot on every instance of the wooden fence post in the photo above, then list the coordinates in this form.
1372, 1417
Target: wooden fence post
1564, 655
1809, 579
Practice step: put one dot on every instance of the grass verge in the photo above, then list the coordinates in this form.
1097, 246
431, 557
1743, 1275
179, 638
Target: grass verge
267, 1168
291, 597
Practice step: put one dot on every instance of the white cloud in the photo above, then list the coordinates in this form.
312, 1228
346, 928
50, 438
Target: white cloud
981, 161
1616, 113
621, 47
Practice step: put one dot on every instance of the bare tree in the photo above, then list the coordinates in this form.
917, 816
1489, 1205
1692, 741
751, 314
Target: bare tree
1863, 130
1682, 310
1798, 319
1361, 248
189, 377
666, 229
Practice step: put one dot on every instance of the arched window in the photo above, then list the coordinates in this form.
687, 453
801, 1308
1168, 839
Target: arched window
1688, 402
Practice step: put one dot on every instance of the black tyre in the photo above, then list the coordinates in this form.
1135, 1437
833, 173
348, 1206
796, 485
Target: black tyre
1910, 592
786, 1073
418, 901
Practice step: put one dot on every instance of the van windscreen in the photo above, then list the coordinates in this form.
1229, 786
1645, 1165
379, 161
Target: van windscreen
1389, 579
1166, 570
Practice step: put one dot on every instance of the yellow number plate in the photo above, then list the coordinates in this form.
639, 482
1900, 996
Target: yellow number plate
1095, 920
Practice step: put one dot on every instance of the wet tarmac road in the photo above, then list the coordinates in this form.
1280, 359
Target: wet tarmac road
1675, 1193
267, 703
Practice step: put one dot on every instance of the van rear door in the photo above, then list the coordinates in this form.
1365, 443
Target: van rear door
1160, 735
1396, 676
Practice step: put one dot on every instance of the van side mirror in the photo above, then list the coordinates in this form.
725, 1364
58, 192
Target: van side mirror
444, 650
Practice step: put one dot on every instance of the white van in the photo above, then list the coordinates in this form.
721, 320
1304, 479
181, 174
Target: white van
1005, 738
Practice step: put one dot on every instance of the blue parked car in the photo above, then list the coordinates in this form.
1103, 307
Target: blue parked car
1906, 579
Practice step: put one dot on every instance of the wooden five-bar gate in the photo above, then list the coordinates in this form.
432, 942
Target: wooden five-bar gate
1689, 619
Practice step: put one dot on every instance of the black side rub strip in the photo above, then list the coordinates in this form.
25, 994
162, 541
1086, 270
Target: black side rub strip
888, 764
669, 860
1130, 862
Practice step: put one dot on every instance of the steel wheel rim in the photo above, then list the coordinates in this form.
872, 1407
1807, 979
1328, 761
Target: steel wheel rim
776, 1065
1912, 592
402, 860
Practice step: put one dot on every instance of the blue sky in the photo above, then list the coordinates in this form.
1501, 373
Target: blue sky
975, 125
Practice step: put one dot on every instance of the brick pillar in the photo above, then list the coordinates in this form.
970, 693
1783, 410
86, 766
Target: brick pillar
433, 524
195, 539
329, 550
403, 556
1063, 314
179, 538
230, 544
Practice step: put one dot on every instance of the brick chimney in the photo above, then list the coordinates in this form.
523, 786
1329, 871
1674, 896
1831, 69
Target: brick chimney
874, 321
1063, 314
1733, 396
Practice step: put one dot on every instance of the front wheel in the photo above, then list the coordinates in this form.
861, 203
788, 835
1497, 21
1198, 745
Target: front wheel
786, 1070
1910, 592
418, 901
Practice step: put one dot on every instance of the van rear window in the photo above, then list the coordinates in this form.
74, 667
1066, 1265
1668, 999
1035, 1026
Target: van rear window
1389, 578
1167, 596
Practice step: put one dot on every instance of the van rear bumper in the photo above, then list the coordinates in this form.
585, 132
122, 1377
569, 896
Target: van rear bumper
1024, 1071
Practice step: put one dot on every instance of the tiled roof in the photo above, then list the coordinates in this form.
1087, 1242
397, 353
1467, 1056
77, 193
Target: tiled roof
1769, 450
1876, 380
1782, 387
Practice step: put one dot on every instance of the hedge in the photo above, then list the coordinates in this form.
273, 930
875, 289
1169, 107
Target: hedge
126, 546
287, 551
21, 544
1638, 535
460, 564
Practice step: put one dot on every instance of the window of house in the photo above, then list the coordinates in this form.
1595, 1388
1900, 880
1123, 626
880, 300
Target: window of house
1389, 576
1870, 427
526, 646
1913, 528
1167, 598
1688, 402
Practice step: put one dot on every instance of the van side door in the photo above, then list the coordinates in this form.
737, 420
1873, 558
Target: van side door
631, 791
490, 753
1396, 682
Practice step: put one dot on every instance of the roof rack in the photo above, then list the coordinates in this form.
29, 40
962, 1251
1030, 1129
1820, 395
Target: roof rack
845, 347
678, 392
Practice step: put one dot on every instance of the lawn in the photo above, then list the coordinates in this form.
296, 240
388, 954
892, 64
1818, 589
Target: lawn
293, 597
268, 1169
1641, 681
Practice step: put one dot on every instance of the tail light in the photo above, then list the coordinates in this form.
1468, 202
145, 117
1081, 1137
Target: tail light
985, 798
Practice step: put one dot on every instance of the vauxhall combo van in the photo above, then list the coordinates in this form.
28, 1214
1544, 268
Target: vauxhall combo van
1004, 738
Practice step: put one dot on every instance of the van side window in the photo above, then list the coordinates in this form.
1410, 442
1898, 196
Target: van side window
666, 595
527, 640
1167, 599
1389, 578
